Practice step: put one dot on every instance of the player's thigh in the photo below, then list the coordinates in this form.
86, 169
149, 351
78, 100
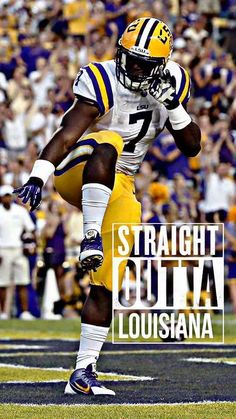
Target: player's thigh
21, 270
6, 260
69, 184
69, 174
123, 209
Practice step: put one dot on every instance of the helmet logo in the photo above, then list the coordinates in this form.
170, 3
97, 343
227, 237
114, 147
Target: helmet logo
163, 38
140, 50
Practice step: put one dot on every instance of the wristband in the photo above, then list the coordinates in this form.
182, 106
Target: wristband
42, 169
178, 117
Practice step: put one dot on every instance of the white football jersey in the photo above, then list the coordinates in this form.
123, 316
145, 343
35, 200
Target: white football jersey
136, 116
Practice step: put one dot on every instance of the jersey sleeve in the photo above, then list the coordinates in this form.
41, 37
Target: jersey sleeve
93, 83
183, 82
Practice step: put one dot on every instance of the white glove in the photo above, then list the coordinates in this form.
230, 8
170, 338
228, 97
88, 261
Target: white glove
163, 89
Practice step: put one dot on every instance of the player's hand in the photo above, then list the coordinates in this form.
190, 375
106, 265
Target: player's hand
163, 89
31, 192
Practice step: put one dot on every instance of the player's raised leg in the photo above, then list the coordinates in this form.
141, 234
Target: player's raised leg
94, 156
98, 181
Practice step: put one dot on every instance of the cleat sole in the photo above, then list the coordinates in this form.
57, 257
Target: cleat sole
96, 391
92, 262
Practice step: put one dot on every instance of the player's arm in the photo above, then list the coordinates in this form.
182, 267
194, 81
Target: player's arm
74, 123
187, 139
186, 133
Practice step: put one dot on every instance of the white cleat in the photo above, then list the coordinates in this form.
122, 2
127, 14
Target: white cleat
84, 381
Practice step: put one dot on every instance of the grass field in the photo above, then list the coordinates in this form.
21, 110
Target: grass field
201, 411
151, 381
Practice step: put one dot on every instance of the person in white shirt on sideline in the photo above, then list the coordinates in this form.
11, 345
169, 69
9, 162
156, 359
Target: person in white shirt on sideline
14, 266
219, 193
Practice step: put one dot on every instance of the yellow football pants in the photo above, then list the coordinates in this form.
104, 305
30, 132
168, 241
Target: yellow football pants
123, 208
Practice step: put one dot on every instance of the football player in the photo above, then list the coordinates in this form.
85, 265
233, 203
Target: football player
120, 107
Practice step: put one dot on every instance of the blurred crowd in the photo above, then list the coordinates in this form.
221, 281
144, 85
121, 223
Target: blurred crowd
43, 43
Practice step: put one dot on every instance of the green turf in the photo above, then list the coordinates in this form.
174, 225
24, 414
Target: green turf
66, 328
38, 329
201, 411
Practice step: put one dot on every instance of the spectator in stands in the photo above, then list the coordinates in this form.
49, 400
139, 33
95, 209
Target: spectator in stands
41, 80
3, 165
219, 193
14, 131
14, 267
64, 96
183, 198
209, 7
167, 158
31, 51
25, 104
145, 176
17, 82
181, 54
117, 12
53, 235
149, 211
196, 31
17, 174
104, 48
224, 146
42, 125
97, 19
77, 16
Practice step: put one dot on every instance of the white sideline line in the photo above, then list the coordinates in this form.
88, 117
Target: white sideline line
33, 382
125, 378
129, 377
14, 346
60, 369
203, 402
209, 361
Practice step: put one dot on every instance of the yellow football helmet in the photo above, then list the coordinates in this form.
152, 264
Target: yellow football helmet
142, 53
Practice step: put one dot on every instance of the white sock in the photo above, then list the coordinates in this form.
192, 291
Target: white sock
95, 197
91, 341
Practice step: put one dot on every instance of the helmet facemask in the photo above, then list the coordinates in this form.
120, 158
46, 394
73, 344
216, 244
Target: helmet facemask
136, 72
